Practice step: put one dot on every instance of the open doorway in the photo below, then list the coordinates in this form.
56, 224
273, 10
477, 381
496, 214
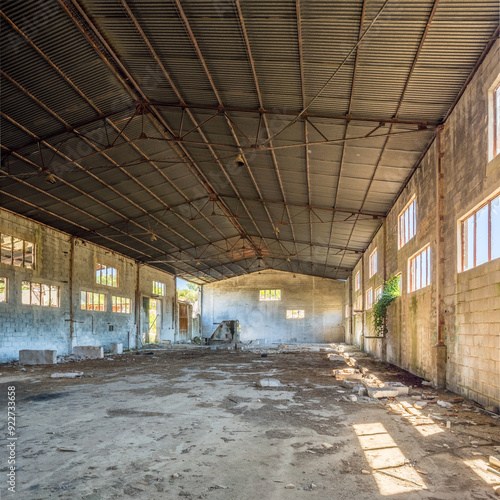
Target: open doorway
154, 320
151, 320
188, 300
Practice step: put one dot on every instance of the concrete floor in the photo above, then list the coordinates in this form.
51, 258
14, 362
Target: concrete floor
192, 423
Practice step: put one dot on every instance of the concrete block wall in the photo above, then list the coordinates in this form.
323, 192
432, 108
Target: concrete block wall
448, 331
238, 299
472, 297
412, 323
69, 263
35, 327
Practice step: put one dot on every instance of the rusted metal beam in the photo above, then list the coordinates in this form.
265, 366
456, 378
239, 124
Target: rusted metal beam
304, 116
87, 214
401, 99
81, 192
306, 132
25, 129
262, 116
349, 110
201, 58
77, 14
415, 59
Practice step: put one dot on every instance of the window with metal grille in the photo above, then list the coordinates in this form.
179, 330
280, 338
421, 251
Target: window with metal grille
480, 235
407, 224
121, 304
16, 251
158, 288
92, 301
419, 270
295, 314
39, 294
106, 275
270, 295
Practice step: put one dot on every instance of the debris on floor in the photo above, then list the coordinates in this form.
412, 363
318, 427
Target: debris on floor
269, 382
67, 374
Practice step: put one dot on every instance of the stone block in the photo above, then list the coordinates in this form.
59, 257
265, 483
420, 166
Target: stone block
89, 351
347, 373
116, 348
402, 389
382, 392
37, 357
335, 357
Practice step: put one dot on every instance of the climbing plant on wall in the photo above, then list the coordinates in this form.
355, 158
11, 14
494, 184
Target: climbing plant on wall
390, 291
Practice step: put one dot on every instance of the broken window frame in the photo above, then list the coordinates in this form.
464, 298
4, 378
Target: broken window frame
106, 275
270, 295
407, 223
469, 259
295, 314
4, 290
39, 294
88, 302
23, 256
373, 263
419, 276
121, 305
159, 288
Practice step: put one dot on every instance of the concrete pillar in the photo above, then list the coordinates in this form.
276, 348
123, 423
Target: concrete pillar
439, 354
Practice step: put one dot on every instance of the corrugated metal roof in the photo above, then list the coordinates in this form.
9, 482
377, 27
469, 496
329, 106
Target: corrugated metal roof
73, 72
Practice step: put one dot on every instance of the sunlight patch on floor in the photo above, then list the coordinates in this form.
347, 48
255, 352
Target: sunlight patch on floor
390, 468
478, 465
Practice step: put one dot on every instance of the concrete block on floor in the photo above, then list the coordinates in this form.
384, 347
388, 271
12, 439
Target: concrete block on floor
335, 357
347, 373
89, 351
403, 390
37, 357
269, 382
116, 348
382, 392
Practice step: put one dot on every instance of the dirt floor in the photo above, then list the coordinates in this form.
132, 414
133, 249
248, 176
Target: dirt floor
193, 423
